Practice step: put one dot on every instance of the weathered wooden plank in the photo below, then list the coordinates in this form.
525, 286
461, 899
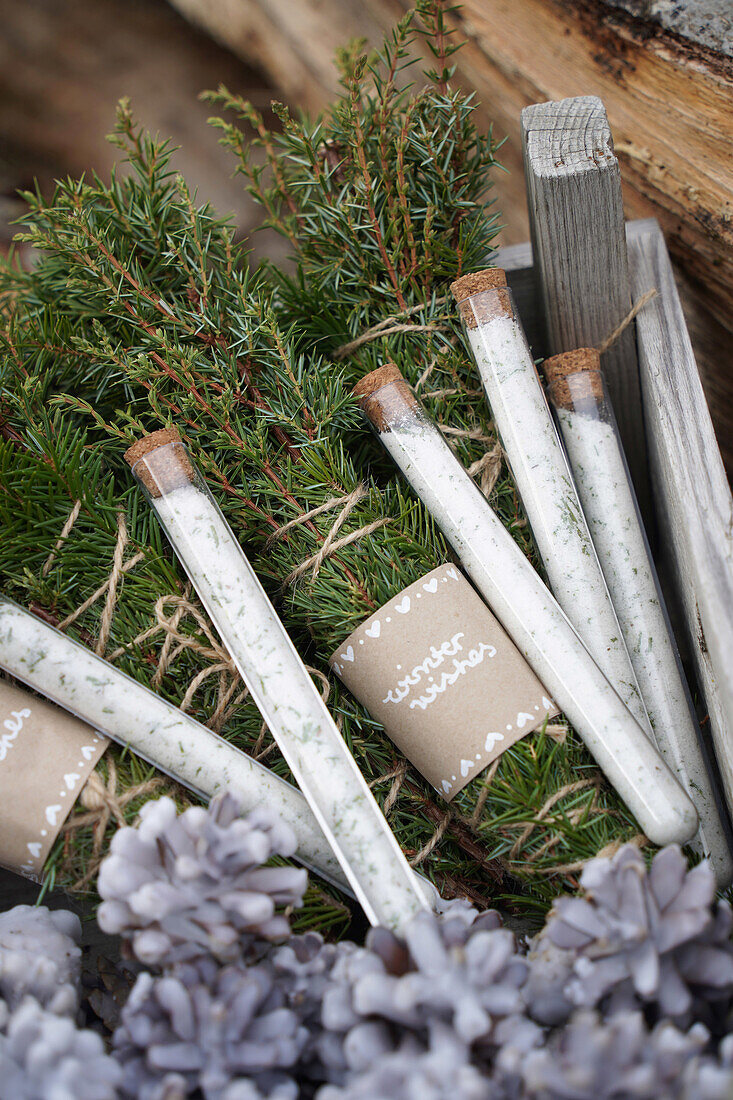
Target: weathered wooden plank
63, 66
579, 245
707, 22
294, 43
691, 493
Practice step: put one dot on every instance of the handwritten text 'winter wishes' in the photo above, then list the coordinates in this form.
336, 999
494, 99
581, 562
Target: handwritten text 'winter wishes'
431, 688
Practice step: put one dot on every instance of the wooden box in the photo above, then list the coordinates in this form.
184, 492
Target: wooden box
572, 286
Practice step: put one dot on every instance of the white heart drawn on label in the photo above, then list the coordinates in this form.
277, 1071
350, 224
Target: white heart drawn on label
431, 586
87, 751
466, 766
493, 739
546, 703
404, 606
70, 779
374, 630
447, 787
523, 718
52, 813
452, 574
348, 655
35, 849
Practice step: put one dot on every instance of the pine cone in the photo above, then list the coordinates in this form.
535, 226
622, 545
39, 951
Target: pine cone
442, 1072
225, 1030
45, 1057
303, 968
709, 1078
180, 886
40, 957
545, 991
636, 938
462, 978
620, 1059
106, 985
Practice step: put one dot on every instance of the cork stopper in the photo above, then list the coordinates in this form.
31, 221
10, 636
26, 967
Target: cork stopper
160, 467
482, 296
583, 365
491, 278
382, 408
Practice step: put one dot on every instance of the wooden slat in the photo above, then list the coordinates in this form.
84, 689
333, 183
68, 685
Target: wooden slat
577, 226
691, 493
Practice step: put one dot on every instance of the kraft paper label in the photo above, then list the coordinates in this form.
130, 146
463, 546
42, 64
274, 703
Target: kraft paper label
46, 757
451, 689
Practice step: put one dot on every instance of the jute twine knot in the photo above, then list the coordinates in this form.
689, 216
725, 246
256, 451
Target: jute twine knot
624, 324
428, 848
398, 775
104, 803
331, 544
389, 327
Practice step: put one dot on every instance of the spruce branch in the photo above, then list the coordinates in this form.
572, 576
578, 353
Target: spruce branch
153, 318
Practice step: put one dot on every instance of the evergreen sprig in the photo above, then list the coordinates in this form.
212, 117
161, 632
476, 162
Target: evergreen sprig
141, 311
149, 329
385, 202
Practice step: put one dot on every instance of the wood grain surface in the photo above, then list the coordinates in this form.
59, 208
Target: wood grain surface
576, 223
65, 63
691, 492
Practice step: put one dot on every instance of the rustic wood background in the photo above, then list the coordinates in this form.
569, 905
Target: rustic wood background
664, 72
65, 63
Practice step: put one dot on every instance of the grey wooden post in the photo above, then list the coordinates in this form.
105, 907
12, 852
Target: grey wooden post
577, 225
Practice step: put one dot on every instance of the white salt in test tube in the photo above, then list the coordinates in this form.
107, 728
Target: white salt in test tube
110, 701
541, 473
591, 438
278, 681
527, 610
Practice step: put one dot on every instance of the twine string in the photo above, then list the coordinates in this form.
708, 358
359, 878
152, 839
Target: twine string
398, 775
65, 532
624, 324
434, 841
165, 650
129, 564
388, 326
316, 560
103, 803
487, 469
569, 788
105, 623
610, 849
485, 792
331, 544
348, 500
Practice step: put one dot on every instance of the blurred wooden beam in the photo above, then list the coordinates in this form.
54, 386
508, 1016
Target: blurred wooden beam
293, 41
65, 63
